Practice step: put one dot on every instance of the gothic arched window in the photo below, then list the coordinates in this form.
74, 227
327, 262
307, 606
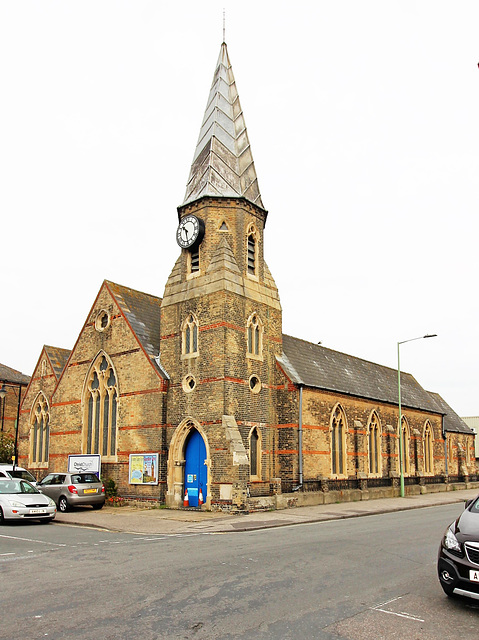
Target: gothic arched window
254, 336
450, 455
338, 442
100, 409
428, 449
255, 453
189, 336
405, 440
252, 250
39, 430
374, 444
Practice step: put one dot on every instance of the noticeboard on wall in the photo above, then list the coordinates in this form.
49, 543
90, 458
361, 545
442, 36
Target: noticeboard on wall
83, 463
143, 468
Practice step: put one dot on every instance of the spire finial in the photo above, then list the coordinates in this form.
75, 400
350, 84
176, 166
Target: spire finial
224, 25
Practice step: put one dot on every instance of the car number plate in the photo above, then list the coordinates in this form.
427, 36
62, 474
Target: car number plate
44, 511
89, 491
473, 576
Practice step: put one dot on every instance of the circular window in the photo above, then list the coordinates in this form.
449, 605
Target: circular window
255, 384
189, 383
102, 321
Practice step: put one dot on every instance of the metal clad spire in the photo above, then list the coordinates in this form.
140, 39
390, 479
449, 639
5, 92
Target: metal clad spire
223, 164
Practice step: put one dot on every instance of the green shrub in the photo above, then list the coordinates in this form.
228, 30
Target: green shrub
7, 447
111, 489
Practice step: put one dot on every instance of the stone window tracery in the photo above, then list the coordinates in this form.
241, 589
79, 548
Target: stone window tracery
254, 337
40, 431
428, 449
450, 454
338, 442
100, 409
406, 438
189, 336
374, 445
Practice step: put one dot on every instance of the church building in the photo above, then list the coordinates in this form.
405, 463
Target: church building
198, 398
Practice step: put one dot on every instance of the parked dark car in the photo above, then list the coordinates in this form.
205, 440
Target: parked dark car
458, 559
73, 489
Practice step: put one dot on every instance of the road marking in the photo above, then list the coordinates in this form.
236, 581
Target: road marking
401, 614
54, 544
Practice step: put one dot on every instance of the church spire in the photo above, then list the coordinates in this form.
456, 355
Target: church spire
223, 164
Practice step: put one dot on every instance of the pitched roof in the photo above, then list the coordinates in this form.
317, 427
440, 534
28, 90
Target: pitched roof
452, 422
58, 358
142, 312
7, 374
223, 164
315, 366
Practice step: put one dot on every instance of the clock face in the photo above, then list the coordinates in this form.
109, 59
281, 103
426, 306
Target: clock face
190, 230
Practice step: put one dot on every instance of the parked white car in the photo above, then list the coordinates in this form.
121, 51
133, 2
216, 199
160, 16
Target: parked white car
7, 471
20, 500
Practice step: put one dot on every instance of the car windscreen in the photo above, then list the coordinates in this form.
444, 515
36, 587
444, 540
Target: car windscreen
84, 478
16, 486
475, 506
22, 473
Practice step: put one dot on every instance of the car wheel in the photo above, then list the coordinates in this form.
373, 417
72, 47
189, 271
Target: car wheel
97, 506
63, 504
2, 519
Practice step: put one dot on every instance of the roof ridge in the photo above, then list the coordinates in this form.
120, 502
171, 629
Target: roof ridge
349, 355
124, 287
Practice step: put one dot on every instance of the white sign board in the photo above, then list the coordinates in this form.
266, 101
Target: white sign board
84, 463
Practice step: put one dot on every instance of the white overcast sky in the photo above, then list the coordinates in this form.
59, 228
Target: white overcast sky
363, 123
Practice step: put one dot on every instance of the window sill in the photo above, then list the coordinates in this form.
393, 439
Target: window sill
188, 356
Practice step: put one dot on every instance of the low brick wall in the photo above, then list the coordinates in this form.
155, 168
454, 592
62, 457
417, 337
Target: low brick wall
311, 498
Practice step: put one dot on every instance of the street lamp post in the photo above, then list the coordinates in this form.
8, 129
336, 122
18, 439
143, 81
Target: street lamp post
3, 393
401, 452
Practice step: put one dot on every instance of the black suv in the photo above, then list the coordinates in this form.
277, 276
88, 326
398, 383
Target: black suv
458, 559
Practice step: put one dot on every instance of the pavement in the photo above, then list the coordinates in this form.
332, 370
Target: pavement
191, 521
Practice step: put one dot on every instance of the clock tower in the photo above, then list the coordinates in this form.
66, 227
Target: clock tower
221, 326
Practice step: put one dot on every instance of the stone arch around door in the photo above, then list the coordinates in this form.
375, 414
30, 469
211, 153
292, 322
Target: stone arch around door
176, 463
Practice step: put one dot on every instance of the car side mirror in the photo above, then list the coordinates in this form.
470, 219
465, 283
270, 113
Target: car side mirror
468, 503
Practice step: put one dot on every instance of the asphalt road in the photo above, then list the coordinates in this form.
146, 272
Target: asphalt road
355, 579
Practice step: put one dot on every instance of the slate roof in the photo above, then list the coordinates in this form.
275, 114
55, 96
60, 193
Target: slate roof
316, 366
142, 312
452, 422
223, 164
58, 358
7, 374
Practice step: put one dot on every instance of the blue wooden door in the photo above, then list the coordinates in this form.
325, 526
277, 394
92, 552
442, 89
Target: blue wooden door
196, 471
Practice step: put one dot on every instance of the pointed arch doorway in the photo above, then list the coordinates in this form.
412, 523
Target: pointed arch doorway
196, 469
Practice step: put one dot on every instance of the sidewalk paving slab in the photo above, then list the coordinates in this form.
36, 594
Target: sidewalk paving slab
163, 521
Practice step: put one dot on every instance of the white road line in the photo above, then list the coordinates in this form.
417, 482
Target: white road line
52, 544
402, 614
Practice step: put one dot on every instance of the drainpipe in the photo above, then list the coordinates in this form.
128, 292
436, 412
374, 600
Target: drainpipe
445, 446
300, 439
